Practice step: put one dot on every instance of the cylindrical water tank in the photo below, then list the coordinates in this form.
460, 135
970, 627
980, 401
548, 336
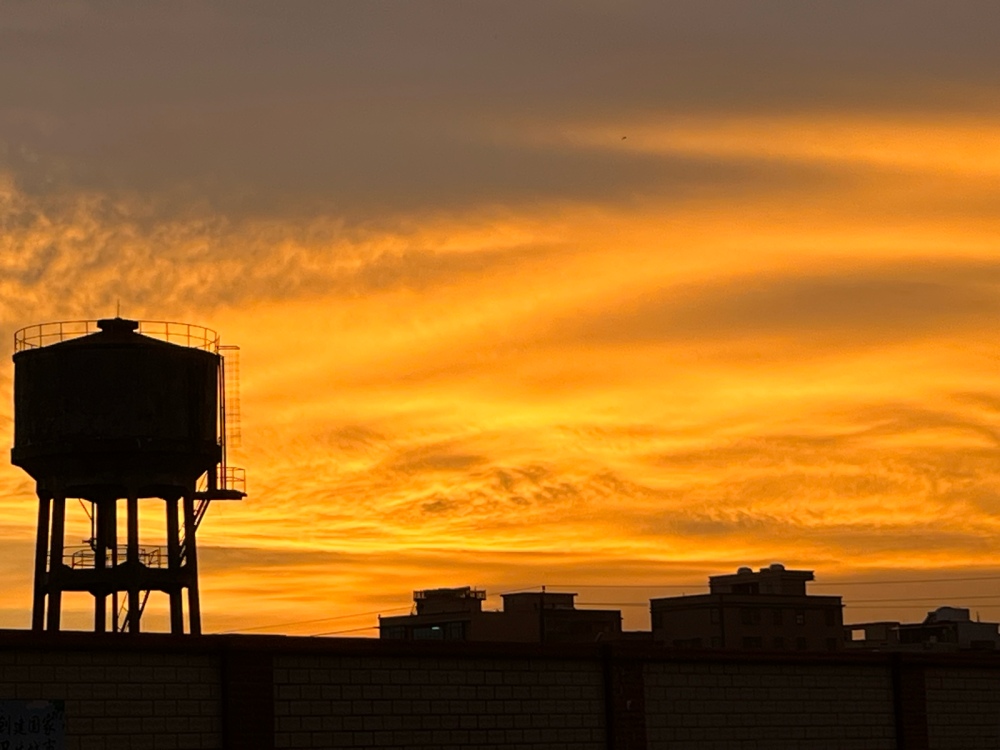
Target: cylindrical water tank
115, 402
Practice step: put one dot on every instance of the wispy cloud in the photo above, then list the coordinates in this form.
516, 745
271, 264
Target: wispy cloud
559, 293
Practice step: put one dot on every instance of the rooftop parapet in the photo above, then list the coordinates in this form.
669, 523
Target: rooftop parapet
463, 599
774, 579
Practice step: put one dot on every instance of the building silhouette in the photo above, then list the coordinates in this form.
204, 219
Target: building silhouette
943, 629
764, 610
457, 614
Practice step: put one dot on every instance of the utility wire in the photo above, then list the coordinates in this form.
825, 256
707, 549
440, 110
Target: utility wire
811, 583
915, 606
644, 604
347, 617
848, 603
922, 599
321, 619
338, 632
375, 627
925, 580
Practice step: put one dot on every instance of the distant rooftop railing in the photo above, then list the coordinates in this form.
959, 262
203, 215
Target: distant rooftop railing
466, 592
182, 334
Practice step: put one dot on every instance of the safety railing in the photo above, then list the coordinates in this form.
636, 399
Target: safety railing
234, 478
466, 592
86, 557
182, 334
228, 478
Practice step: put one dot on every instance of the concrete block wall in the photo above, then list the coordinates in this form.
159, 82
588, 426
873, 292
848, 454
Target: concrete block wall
433, 702
259, 693
779, 705
122, 700
963, 708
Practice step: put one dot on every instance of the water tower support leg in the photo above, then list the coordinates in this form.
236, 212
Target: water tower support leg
174, 564
55, 560
41, 562
194, 603
100, 562
133, 562
112, 541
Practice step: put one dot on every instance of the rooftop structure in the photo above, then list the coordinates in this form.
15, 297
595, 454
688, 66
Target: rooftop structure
774, 580
434, 601
943, 629
457, 615
767, 609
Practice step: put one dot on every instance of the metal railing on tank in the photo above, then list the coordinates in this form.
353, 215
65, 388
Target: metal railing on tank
182, 334
86, 557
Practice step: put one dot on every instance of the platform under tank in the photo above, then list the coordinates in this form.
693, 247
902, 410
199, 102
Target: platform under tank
116, 405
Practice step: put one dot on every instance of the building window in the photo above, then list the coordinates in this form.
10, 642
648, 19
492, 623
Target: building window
716, 642
831, 618
750, 616
687, 643
777, 616
800, 644
446, 631
750, 642
715, 615
800, 617
394, 633
779, 643
428, 633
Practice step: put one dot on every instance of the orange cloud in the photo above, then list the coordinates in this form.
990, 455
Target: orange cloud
793, 363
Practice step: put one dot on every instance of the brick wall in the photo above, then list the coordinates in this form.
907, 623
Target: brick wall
750, 705
431, 702
122, 701
963, 708
259, 693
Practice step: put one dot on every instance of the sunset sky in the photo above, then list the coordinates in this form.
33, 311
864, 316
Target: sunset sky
606, 296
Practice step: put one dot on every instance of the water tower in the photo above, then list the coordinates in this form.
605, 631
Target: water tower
114, 410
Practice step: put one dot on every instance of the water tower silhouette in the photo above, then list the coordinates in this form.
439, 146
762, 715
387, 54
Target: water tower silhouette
120, 409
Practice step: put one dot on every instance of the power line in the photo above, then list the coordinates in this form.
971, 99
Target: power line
519, 591
349, 616
848, 603
321, 619
925, 580
338, 632
924, 599
914, 606
811, 583
644, 604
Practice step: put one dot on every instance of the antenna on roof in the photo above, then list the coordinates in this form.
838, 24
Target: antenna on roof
118, 311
